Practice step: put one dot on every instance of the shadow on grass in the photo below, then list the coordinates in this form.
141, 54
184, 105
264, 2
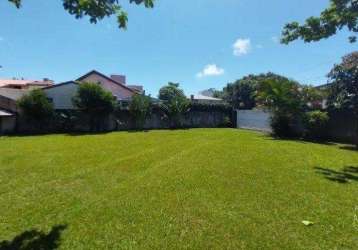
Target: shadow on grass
346, 175
35, 240
297, 139
349, 147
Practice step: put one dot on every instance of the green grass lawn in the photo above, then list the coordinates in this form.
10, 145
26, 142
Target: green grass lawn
187, 189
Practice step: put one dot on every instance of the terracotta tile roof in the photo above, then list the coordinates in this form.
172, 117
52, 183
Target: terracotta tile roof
12, 82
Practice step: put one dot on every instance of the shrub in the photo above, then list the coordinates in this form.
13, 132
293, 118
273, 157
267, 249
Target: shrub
226, 123
36, 107
140, 109
315, 124
282, 125
95, 103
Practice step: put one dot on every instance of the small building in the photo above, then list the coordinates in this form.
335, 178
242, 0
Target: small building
8, 108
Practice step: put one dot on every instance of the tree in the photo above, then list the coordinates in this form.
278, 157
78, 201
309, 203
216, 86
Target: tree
36, 107
282, 98
242, 93
170, 91
338, 15
96, 10
344, 85
175, 103
94, 102
140, 108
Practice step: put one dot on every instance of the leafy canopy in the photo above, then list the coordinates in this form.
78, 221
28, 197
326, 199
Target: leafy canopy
35, 106
97, 9
92, 99
344, 83
338, 15
175, 103
242, 93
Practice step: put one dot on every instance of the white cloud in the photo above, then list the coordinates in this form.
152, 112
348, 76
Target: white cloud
242, 46
211, 70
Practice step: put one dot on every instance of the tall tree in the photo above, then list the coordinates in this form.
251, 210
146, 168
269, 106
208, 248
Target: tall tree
344, 87
96, 10
338, 15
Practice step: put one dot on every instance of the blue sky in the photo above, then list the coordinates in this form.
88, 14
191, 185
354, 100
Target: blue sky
199, 43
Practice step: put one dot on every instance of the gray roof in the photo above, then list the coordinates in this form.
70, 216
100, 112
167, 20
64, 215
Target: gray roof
13, 94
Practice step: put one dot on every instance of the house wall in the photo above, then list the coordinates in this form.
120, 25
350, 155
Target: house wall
62, 95
254, 119
7, 124
8, 104
117, 90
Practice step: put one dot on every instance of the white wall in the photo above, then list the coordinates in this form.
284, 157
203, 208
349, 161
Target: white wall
62, 95
254, 119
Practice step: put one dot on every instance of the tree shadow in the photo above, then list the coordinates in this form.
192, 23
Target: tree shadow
346, 175
35, 240
298, 139
349, 147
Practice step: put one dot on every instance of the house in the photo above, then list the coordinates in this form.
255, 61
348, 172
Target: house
62, 94
8, 108
116, 84
25, 84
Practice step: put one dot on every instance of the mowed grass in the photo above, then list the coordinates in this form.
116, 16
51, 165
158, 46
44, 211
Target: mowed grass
184, 189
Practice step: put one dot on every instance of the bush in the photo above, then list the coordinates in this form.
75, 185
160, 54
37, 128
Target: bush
315, 124
139, 109
282, 125
226, 123
95, 103
36, 108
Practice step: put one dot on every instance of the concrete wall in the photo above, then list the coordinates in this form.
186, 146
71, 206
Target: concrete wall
62, 95
254, 119
117, 90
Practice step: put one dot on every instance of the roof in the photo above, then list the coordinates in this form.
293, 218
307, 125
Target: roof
4, 113
207, 98
106, 77
6, 82
13, 94
60, 84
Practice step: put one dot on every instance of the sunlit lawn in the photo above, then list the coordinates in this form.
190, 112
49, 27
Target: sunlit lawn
192, 189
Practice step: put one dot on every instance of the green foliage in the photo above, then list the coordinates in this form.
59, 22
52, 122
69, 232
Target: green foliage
95, 102
313, 97
36, 107
242, 93
282, 97
96, 10
175, 103
174, 109
338, 15
140, 109
344, 87
170, 91
315, 124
